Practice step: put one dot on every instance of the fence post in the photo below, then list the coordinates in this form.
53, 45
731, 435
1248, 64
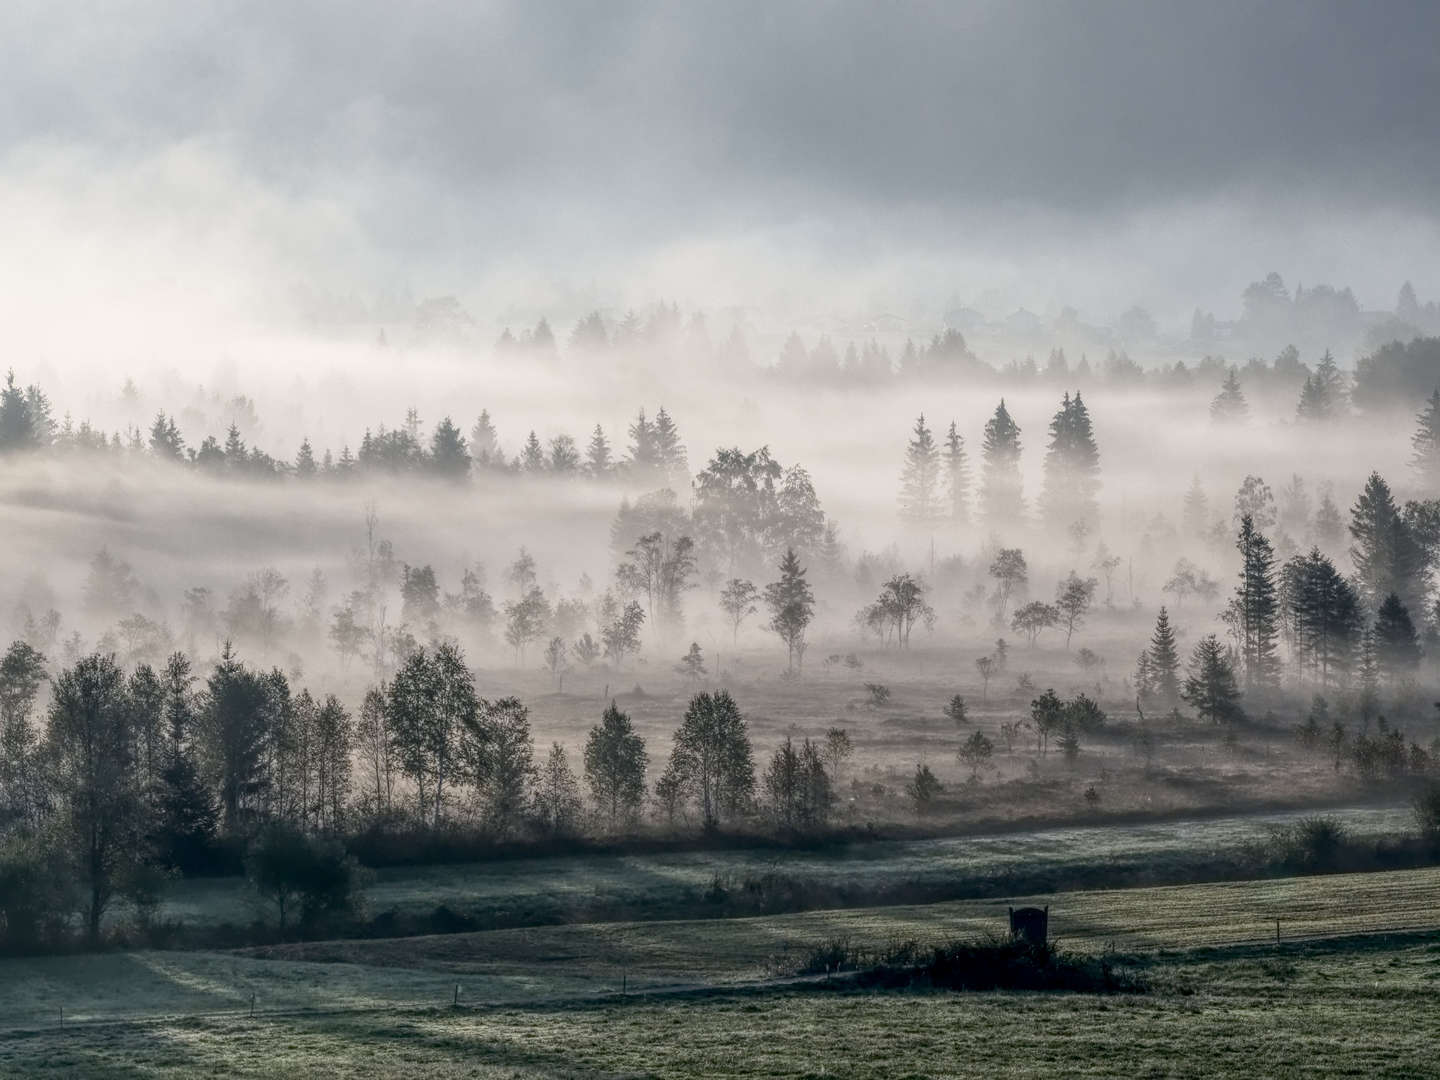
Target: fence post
1277, 931
456, 1002
624, 982
252, 1004
62, 1017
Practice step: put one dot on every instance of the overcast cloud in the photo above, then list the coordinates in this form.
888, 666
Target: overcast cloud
1099, 153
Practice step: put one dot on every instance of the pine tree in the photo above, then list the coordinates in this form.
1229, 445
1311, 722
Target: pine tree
1329, 525
1253, 611
1001, 498
1210, 686
792, 606
532, 457
1229, 406
1324, 615
599, 463
1426, 441
644, 458
1397, 647
669, 451
957, 475
448, 455
1164, 662
485, 443
1387, 555
919, 498
1072, 467
305, 460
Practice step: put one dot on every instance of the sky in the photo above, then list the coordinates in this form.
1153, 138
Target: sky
203, 158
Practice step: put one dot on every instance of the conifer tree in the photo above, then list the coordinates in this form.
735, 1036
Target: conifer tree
919, 496
1210, 686
1253, 611
1001, 496
1324, 615
1072, 467
669, 451
485, 443
305, 466
644, 457
599, 462
1164, 662
1397, 647
532, 457
1230, 406
792, 606
448, 455
1426, 441
1388, 557
957, 475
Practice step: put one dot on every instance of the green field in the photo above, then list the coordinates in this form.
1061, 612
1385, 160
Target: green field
580, 962
1355, 1006
548, 889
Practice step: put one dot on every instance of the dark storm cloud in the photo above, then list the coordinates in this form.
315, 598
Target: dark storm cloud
448, 124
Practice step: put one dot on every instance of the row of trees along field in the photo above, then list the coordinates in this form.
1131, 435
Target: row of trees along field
656, 456
136, 777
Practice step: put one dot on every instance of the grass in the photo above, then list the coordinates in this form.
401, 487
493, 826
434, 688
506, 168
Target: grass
560, 888
1358, 1007
579, 962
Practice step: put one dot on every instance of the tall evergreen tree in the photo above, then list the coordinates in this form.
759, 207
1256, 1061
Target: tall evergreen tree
1072, 467
957, 475
1325, 616
1426, 441
532, 456
1163, 666
919, 495
1253, 613
448, 456
669, 450
1210, 686
1387, 555
792, 607
485, 443
1230, 406
1397, 646
1002, 500
599, 462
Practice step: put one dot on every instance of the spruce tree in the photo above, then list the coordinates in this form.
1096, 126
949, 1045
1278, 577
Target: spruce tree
305, 460
1072, 467
1230, 406
644, 458
919, 495
1388, 557
669, 451
1426, 441
448, 455
1001, 496
792, 606
1397, 647
1254, 610
1324, 614
1210, 686
957, 475
532, 457
598, 460
485, 443
1164, 662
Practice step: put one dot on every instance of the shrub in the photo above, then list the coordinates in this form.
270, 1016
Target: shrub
36, 894
294, 871
879, 693
1426, 805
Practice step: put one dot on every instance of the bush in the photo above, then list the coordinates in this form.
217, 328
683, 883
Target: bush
1312, 843
294, 871
37, 895
983, 964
